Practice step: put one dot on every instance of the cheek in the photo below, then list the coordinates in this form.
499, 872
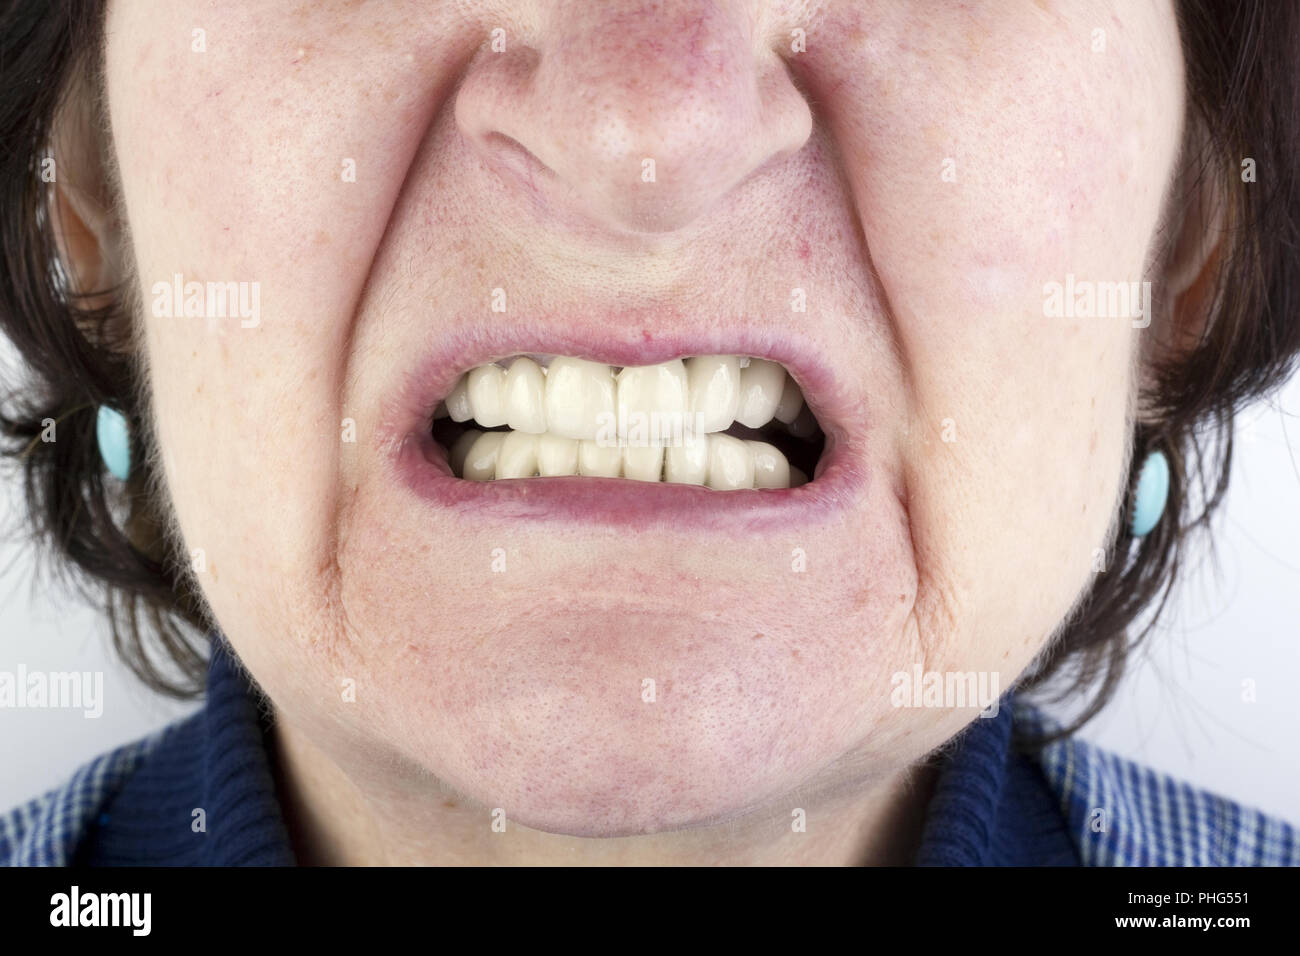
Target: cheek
234, 142
1000, 156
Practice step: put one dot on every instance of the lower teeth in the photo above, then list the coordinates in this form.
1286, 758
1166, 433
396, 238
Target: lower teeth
719, 461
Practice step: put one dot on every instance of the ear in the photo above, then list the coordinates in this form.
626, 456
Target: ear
1196, 254
1197, 222
85, 224
82, 237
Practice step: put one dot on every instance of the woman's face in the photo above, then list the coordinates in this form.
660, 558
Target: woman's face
407, 202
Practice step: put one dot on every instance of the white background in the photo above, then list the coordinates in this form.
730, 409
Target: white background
1181, 710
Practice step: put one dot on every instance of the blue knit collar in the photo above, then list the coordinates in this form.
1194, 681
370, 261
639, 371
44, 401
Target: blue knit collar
991, 805
205, 794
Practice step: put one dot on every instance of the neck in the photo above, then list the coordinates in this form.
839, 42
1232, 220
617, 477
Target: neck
334, 820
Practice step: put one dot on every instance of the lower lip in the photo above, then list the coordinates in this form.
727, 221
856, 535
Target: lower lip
622, 502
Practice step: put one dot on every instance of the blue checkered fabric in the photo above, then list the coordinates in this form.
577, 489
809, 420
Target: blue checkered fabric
1120, 813
48, 830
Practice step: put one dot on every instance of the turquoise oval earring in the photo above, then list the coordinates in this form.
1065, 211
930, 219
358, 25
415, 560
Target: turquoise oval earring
114, 441
1151, 495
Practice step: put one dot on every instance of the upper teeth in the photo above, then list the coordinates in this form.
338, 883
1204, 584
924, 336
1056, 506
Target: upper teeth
572, 397
559, 410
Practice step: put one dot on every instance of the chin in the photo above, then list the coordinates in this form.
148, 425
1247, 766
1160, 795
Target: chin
625, 719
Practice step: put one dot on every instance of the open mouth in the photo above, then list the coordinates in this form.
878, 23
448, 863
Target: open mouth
724, 422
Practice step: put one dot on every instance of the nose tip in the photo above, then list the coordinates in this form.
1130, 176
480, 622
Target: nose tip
646, 120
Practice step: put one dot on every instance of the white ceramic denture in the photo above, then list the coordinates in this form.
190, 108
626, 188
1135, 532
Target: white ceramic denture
578, 395
517, 457
556, 456
525, 397
652, 390
787, 410
571, 397
487, 397
458, 404
714, 385
599, 461
731, 463
555, 409
718, 461
688, 463
771, 470
644, 463
761, 385
721, 462
481, 459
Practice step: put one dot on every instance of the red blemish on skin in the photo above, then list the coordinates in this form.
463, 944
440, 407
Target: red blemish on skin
804, 250
214, 93
645, 335
696, 30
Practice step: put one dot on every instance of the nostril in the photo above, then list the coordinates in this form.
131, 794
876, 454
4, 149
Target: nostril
515, 156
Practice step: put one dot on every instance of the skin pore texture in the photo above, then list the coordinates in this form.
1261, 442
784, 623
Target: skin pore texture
430, 663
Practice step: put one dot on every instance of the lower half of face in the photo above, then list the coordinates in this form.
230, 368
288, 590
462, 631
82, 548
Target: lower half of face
906, 459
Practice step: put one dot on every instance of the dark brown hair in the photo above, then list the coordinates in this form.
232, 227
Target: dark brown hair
1241, 62
78, 353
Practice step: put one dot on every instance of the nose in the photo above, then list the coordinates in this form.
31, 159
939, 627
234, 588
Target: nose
642, 114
